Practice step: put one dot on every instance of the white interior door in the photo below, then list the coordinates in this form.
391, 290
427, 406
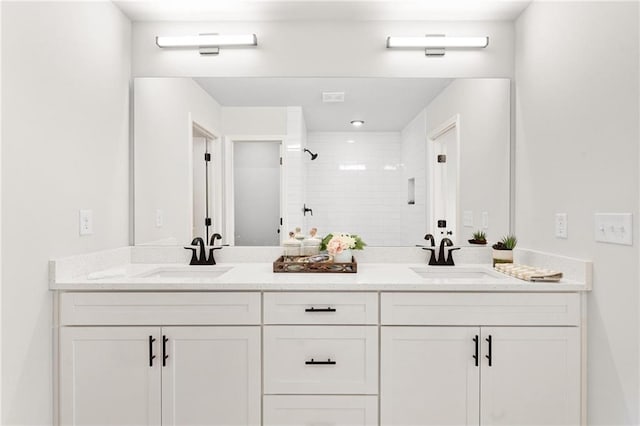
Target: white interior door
534, 378
211, 376
429, 376
106, 377
256, 192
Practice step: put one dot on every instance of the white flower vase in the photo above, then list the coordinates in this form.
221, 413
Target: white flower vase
343, 257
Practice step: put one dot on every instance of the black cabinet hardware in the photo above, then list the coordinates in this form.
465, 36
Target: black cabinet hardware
489, 355
151, 355
164, 351
312, 309
475, 356
314, 362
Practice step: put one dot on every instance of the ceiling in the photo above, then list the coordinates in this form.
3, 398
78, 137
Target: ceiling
294, 10
385, 104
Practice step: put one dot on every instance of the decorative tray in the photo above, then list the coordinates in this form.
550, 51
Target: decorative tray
307, 265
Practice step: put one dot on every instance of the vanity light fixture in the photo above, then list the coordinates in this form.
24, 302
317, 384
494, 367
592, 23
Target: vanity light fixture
208, 44
357, 123
435, 44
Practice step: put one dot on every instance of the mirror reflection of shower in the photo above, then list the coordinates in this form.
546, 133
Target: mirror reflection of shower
313, 156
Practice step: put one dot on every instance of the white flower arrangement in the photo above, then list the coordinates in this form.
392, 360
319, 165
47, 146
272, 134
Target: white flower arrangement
337, 243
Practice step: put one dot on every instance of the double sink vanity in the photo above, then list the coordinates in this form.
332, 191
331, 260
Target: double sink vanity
144, 338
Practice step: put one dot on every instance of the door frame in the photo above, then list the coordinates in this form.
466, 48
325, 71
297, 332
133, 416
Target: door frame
215, 176
451, 124
228, 193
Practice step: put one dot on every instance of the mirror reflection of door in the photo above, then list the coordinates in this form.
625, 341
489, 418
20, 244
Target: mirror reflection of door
445, 181
202, 183
256, 182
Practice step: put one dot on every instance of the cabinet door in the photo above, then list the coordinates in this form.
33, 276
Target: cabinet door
106, 377
534, 377
429, 376
211, 376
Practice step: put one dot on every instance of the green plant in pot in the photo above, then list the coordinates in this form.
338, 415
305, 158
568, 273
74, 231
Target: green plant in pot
503, 249
479, 237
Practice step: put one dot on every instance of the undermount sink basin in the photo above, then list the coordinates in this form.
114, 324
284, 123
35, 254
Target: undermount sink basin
187, 272
457, 273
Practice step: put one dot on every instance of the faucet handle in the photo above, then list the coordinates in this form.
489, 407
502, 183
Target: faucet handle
449, 261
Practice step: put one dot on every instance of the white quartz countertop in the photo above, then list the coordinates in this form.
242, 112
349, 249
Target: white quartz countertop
259, 276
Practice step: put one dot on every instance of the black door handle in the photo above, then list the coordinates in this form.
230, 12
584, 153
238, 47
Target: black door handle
489, 355
475, 356
314, 362
164, 351
312, 309
151, 355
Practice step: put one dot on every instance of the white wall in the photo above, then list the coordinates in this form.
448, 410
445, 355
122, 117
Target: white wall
577, 153
254, 120
367, 201
484, 109
414, 159
163, 114
337, 48
65, 146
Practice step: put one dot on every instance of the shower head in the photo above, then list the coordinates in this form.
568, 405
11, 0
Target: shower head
313, 156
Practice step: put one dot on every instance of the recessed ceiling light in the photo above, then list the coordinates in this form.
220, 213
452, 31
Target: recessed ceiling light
357, 123
351, 141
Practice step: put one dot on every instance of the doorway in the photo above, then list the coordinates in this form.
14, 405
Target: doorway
444, 162
256, 193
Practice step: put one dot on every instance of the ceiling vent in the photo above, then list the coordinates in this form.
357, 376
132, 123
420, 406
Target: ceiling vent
332, 97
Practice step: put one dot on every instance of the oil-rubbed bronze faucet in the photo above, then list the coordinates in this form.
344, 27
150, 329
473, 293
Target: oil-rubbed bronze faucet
198, 251
441, 259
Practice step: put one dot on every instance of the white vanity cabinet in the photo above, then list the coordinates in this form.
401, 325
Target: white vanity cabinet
320, 359
458, 367
115, 370
308, 358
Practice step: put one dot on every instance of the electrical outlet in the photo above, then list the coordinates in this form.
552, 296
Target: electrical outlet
159, 218
467, 218
86, 222
561, 225
485, 220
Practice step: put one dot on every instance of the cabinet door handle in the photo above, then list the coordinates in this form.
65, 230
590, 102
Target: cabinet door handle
151, 355
314, 362
489, 354
312, 309
164, 351
475, 356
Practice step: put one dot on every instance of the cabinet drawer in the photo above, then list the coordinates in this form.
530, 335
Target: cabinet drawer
303, 410
480, 309
159, 308
320, 360
320, 308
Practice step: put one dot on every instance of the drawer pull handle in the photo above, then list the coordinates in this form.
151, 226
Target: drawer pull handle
489, 356
312, 309
314, 362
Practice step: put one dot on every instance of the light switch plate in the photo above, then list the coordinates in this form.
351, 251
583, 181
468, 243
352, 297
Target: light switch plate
561, 225
467, 218
614, 228
86, 222
485, 220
